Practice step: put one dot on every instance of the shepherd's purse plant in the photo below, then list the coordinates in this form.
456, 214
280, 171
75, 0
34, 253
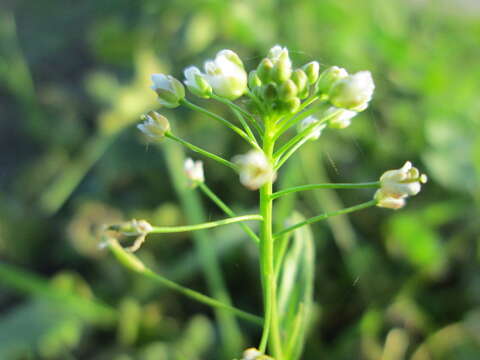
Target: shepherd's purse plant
277, 98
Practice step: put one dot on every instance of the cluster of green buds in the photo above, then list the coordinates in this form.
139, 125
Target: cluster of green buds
279, 98
280, 87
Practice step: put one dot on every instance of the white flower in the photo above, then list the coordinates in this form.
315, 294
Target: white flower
169, 90
154, 125
388, 201
194, 171
353, 92
316, 131
341, 119
196, 82
226, 75
255, 169
398, 184
251, 354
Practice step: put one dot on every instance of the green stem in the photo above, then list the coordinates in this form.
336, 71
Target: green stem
133, 263
301, 135
286, 123
271, 331
201, 151
238, 111
325, 216
222, 120
227, 210
366, 185
230, 334
290, 152
206, 225
260, 106
295, 120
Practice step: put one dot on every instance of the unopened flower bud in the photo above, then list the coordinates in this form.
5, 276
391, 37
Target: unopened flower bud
253, 80
292, 105
269, 92
226, 75
169, 90
194, 171
353, 92
255, 169
282, 65
316, 131
264, 70
154, 126
196, 82
282, 69
341, 119
312, 70
329, 77
288, 90
301, 80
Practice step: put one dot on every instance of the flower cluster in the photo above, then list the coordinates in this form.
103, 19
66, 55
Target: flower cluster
279, 98
396, 185
277, 90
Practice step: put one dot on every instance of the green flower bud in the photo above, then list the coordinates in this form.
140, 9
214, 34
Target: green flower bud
283, 67
254, 80
169, 90
329, 77
270, 92
300, 79
264, 70
291, 105
287, 90
312, 71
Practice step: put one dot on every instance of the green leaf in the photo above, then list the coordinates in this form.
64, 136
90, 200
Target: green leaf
295, 295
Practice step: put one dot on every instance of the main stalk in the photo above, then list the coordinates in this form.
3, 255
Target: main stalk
271, 332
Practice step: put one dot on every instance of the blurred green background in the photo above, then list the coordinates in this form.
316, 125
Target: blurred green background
74, 78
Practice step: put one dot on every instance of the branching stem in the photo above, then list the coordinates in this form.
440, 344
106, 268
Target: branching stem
325, 216
366, 185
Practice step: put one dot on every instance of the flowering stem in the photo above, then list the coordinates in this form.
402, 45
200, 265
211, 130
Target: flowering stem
201, 151
207, 225
222, 120
325, 216
286, 123
259, 104
271, 331
366, 185
295, 119
238, 112
290, 152
133, 263
297, 138
227, 210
